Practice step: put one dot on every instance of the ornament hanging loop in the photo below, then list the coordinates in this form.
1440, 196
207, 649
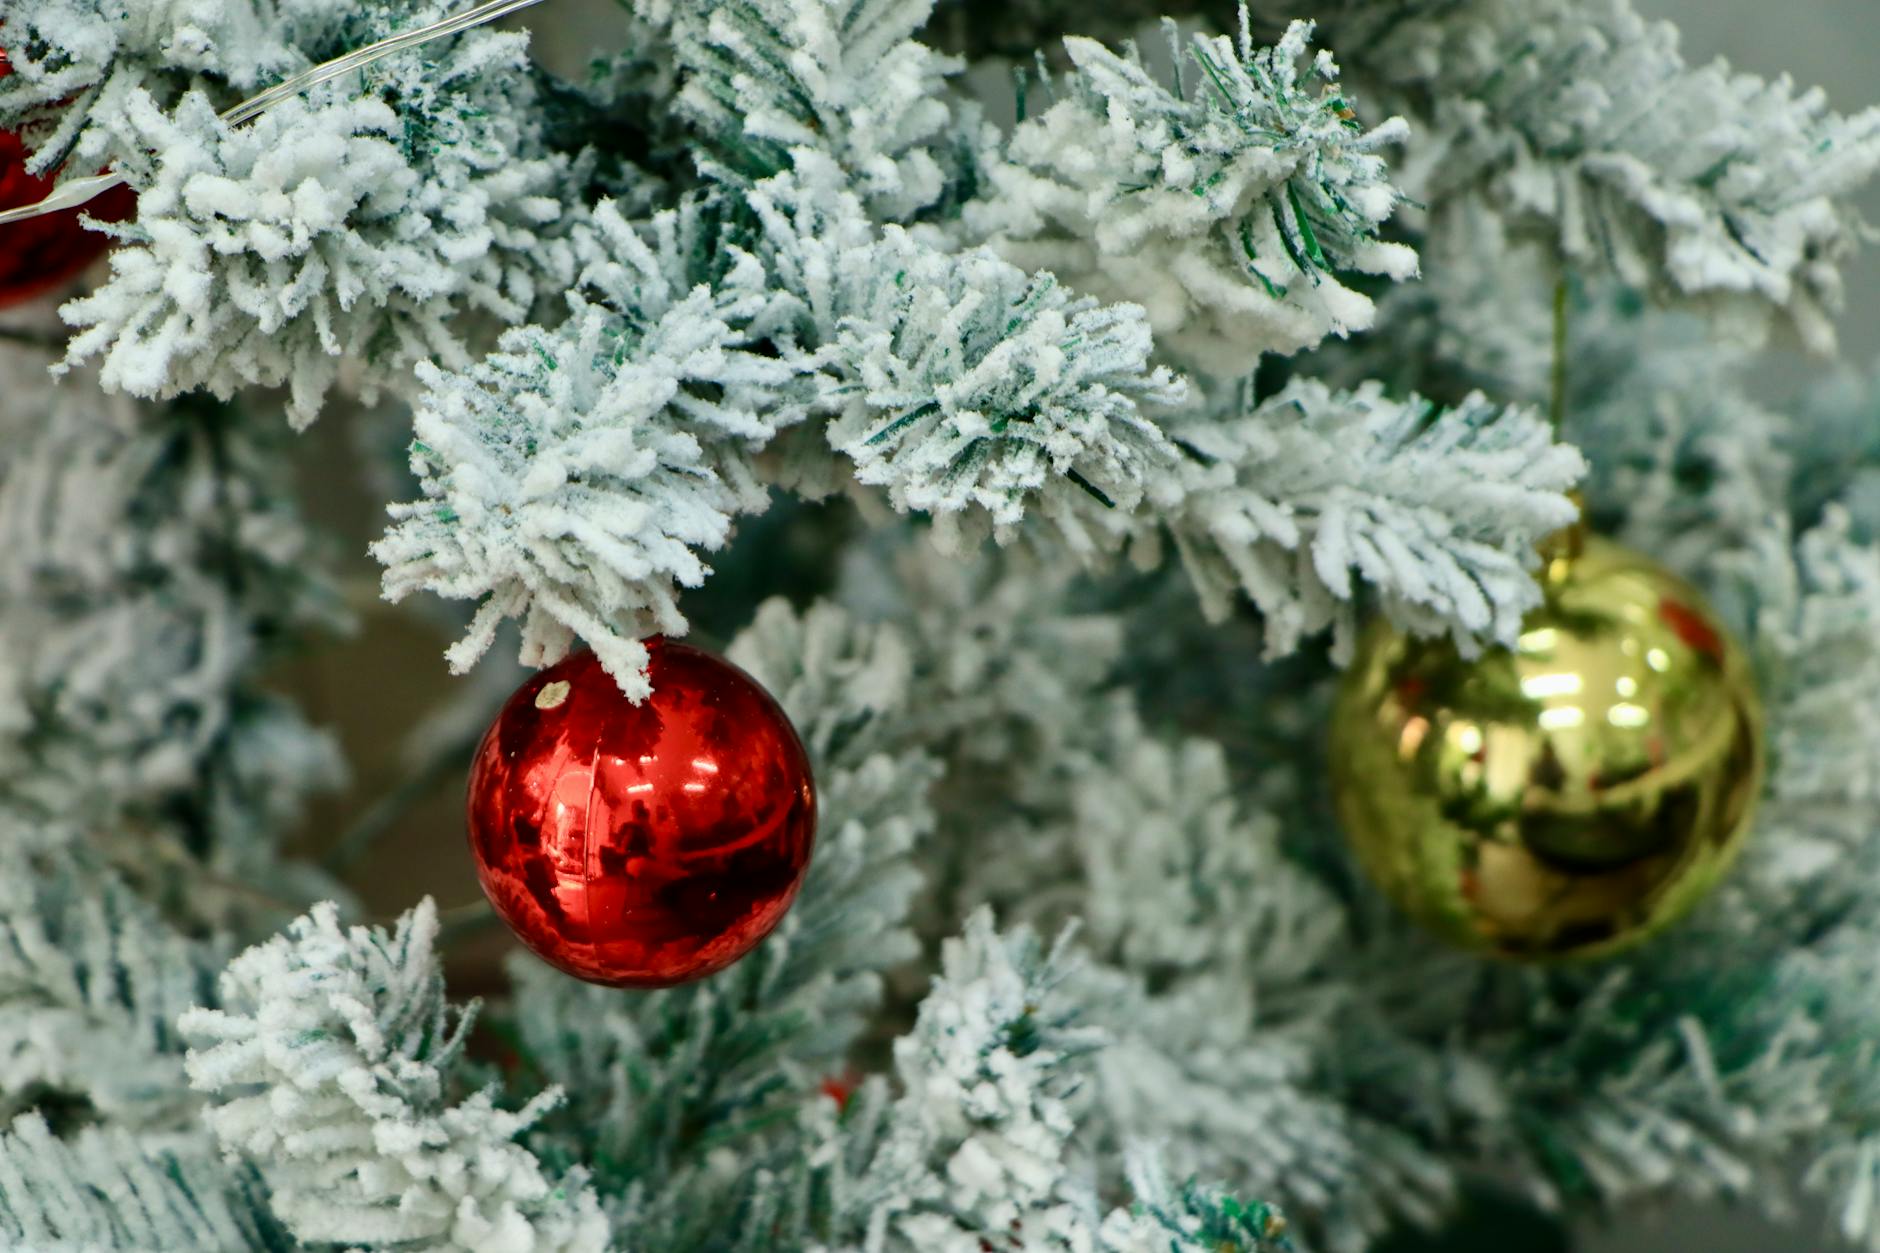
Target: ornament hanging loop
1560, 548
1557, 379
73, 193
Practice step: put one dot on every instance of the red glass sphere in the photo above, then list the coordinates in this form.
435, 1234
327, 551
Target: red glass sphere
41, 253
642, 846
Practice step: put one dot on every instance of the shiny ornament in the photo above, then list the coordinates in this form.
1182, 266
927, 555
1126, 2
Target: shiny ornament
1566, 798
646, 845
41, 253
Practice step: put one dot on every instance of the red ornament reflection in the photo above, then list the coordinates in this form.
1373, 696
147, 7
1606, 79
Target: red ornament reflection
1689, 626
642, 846
41, 253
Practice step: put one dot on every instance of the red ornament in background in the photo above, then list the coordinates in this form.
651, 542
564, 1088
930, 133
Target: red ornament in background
647, 845
43, 252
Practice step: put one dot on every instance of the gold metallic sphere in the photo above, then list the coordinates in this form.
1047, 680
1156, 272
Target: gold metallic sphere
1569, 797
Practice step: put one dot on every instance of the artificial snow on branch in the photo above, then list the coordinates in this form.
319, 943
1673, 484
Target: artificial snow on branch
977, 1142
569, 477
151, 561
131, 656
1438, 512
1214, 943
1682, 449
106, 1190
329, 1065
970, 389
1691, 459
1218, 974
842, 78
1582, 123
1213, 962
91, 982
1458, 328
1833, 448
64, 50
1770, 1073
356, 227
1227, 201
1175, 870
979, 1146
978, 393
1186, 1217
1814, 603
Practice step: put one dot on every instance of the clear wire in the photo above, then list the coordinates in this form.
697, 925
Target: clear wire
78, 191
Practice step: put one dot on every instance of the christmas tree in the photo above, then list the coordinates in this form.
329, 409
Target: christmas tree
1046, 404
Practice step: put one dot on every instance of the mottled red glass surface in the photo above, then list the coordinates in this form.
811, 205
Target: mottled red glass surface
40, 253
643, 845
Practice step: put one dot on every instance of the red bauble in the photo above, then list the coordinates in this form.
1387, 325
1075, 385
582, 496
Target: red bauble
43, 252
646, 845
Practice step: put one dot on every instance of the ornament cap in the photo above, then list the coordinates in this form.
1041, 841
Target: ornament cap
1560, 549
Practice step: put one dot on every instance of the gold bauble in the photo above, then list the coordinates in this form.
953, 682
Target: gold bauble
1565, 798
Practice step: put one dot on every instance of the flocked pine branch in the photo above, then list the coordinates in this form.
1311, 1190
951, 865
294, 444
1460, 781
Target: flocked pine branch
356, 228
978, 393
150, 566
91, 982
1457, 329
151, 563
1217, 963
1833, 448
569, 477
112, 1191
978, 1149
1815, 607
1682, 447
841, 78
1686, 452
1208, 952
1004, 666
1581, 123
1218, 1000
1228, 201
1437, 512
1680, 443
330, 1064
969, 389
1186, 1216
62, 49
977, 1144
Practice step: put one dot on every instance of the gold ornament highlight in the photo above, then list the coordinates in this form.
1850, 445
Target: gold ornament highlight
1568, 797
